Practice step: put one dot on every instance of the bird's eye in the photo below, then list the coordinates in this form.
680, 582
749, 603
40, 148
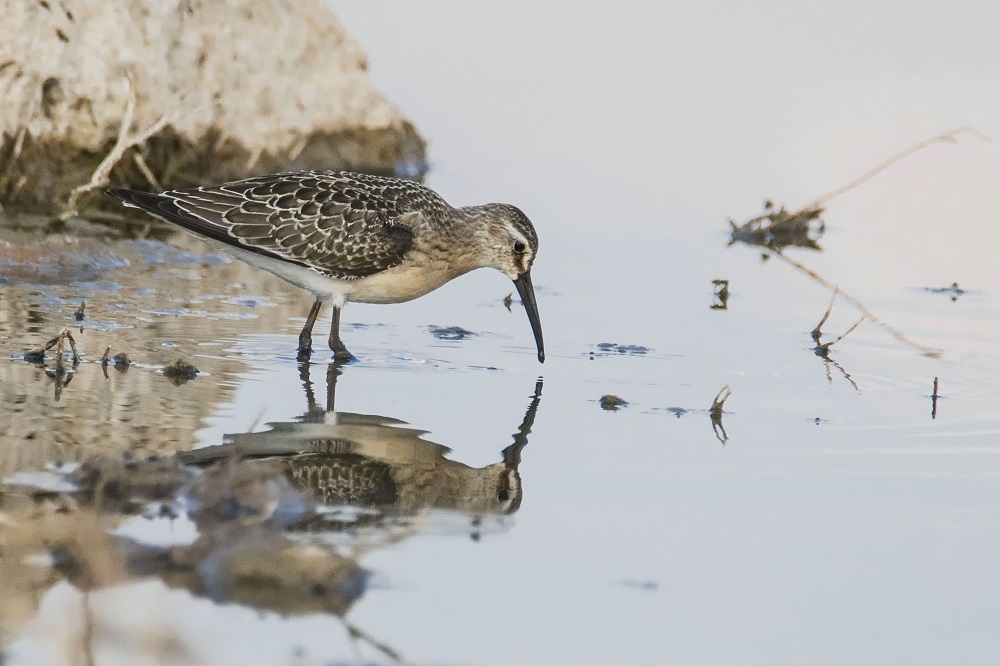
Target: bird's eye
519, 247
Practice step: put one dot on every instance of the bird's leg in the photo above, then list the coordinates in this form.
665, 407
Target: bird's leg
340, 352
332, 372
305, 337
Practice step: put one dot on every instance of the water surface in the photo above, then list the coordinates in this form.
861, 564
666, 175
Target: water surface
846, 516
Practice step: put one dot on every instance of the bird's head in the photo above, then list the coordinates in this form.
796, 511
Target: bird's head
511, 248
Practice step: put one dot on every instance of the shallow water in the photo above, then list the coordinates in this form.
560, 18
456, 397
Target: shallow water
837, 512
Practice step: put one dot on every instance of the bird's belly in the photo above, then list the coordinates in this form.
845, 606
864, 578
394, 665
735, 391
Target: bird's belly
398, 284
394, 285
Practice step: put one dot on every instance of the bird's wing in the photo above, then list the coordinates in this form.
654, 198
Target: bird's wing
343, 225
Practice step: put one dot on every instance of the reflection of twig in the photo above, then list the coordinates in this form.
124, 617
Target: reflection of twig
357, 634
926, 351
715, 413
947, 137
827, 362
101, 175
934, 399
721, 294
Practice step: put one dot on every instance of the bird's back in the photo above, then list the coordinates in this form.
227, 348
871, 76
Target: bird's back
344, 225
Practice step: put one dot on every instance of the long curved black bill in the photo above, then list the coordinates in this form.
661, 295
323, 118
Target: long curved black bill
527, 294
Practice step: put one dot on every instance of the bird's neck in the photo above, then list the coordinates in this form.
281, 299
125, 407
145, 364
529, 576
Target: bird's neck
477, 230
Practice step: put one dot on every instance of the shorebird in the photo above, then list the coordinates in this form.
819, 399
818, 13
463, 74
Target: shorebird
352, 237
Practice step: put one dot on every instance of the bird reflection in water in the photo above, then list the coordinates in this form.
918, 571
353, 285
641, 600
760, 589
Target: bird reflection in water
337, 478
374, 479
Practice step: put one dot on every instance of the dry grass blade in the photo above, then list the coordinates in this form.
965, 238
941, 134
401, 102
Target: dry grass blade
59, 343
101, 175
827, 345
720, 400
947, 137
52, 343
816, 332
72, 346
924, 350
146, 171
767, 223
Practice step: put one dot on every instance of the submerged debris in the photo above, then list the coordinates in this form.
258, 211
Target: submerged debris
954, 291
606, 348
450, 332
721, 295
36, 356
59, 342
180, 371
59, 374
778, 229
120, 361
612, 403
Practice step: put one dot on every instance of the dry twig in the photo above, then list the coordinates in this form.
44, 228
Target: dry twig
715, 413
895, 333
794, 228
101, 176
947, 137
140, 162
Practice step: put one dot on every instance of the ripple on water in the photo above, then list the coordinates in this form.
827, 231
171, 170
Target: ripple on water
104, 325
57, 260
250, 301
200, 314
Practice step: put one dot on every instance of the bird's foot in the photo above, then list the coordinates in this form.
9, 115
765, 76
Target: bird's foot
305, 349
342, 356
340, 353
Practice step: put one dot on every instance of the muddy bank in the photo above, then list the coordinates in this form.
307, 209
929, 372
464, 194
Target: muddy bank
181, 93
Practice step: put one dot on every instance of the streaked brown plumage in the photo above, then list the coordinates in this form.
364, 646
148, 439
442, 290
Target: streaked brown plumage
353, 237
